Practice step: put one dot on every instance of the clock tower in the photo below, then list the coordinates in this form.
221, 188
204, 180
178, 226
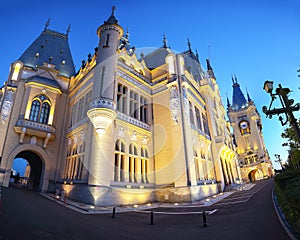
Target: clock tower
245, 120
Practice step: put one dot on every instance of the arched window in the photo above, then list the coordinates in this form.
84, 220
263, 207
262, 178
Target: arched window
119, 161
144, 164
40, 109
134, 164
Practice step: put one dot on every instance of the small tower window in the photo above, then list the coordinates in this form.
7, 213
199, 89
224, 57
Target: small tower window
107, 41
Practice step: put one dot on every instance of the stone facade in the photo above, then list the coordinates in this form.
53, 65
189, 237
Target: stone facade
124, 129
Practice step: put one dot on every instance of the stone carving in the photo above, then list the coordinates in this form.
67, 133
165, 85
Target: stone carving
174, 104
7, 104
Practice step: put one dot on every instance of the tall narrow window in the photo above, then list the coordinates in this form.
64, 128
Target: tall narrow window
205, 124
107, 40
40, 109
198, 119
144, 164
122, 98
16, 71
143, 109
134, 165
119, 161
34, 111
134, 104
192, 121
44, 113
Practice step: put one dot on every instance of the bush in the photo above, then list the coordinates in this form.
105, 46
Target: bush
287, 189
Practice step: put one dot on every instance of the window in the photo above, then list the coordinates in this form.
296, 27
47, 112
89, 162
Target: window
122, 98
205, 124
40, 109
16, 71
144, 164
192, 121
198, 119
143, 109
119, 175
134, 104
134, 164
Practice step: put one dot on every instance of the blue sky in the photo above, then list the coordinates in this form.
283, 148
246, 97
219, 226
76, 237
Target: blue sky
256, 39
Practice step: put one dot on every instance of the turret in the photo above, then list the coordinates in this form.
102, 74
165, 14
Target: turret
102, 106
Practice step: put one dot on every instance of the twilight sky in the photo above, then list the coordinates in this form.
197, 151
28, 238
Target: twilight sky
254, 39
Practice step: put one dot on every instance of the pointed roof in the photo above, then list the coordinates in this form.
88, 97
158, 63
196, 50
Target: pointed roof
210, 69
238, 98
50, 47
112, 19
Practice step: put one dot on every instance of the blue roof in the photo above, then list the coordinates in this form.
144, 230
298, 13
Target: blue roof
238, 98
50, 47
45, 81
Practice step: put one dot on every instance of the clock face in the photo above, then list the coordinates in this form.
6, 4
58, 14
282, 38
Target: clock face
243, 125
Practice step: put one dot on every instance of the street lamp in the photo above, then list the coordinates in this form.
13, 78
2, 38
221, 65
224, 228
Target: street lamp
287, 106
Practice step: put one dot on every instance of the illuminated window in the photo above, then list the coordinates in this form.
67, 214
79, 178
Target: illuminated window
134, 164
119, 161
16, 71
144, 165
40, 109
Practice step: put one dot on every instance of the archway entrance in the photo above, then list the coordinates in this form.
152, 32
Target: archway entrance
255, 175
31, 178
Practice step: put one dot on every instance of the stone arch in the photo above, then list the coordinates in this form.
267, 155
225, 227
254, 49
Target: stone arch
255, 174
39, 152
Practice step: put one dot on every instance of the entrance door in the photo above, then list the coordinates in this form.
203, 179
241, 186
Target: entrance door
35, 166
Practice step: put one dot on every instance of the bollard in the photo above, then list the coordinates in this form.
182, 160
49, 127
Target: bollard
114, 212
204, 219
151, 218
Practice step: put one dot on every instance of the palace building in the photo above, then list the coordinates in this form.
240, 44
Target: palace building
126, 128
253, 157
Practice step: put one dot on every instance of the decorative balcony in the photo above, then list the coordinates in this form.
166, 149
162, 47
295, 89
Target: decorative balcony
34, 129
101, 113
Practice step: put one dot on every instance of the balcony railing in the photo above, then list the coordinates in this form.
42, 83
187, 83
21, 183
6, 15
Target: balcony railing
35, 125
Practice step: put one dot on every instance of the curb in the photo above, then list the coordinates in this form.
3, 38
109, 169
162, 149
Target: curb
288, 229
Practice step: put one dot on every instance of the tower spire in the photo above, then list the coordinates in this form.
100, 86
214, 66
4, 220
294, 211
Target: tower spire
47, 24
68, 30
189, 45
228, 103
210, 70
248, 96
127, 34
164, 41
112, 19
197, 55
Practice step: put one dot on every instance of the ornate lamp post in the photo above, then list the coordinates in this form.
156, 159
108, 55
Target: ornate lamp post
287, 106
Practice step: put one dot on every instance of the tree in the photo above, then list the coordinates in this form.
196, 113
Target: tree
294, 146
